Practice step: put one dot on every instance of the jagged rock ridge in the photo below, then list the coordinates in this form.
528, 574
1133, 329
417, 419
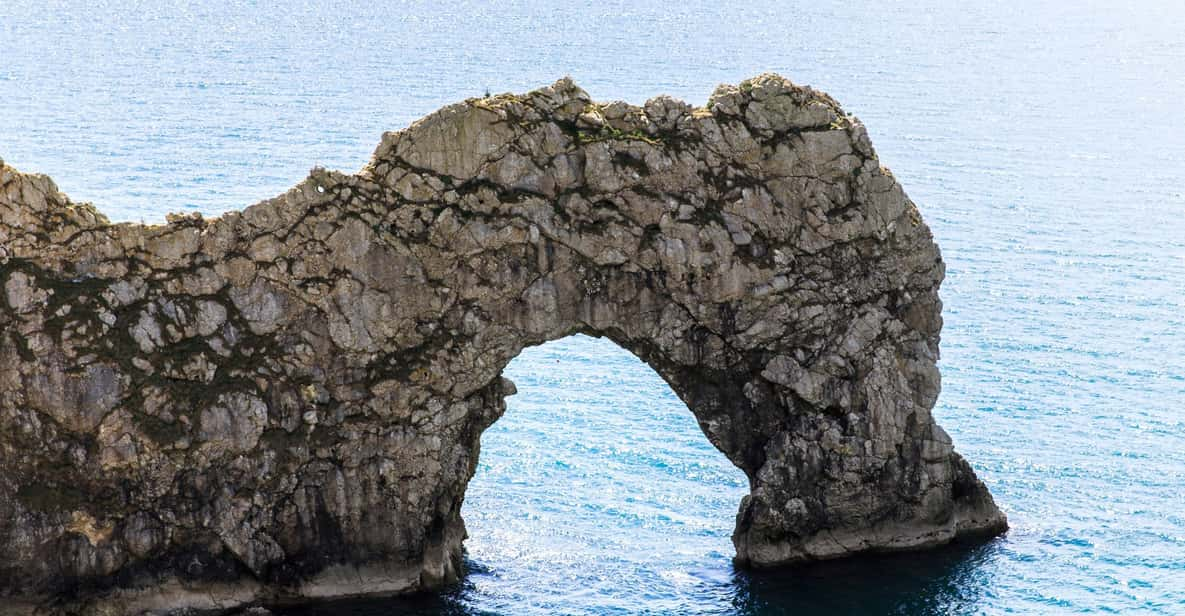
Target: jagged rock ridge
287, 401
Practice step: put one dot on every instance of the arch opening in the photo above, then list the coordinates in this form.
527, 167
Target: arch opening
597, 465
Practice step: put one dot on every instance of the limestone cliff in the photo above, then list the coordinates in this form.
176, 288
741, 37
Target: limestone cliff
287, 401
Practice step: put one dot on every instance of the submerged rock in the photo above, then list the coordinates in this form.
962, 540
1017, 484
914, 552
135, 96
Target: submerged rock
287, 401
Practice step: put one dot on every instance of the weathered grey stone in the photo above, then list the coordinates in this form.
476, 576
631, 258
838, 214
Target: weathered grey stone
287, 401
22, 295
233, 422
210, 316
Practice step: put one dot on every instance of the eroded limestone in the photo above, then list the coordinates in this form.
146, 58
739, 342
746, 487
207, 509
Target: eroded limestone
287, 401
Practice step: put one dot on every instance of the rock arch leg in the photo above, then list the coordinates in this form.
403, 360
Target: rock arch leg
287, 401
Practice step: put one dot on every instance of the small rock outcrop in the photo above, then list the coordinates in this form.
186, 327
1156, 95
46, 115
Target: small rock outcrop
287, 401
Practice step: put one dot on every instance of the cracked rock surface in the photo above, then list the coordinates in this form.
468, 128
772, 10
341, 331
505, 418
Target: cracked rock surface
287, 401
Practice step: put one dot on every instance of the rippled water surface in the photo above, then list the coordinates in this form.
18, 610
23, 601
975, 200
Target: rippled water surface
1044, 142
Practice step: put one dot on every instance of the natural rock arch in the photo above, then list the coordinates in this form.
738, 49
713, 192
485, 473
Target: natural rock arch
288, 400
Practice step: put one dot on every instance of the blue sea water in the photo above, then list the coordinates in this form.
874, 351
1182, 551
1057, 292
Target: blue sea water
1044, 142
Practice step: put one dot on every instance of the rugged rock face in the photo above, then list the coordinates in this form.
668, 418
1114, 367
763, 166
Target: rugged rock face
287, 401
